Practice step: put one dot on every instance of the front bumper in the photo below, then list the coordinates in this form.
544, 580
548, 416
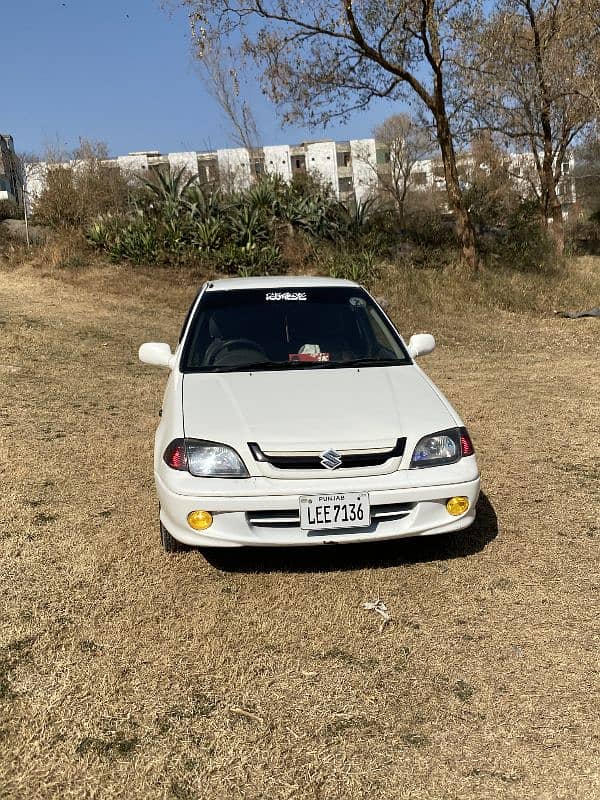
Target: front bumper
238, 521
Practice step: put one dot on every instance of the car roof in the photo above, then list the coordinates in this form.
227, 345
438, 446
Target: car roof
280, 282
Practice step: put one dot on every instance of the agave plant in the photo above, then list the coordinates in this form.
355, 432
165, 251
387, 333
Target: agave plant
203, 202
169, 184
361, 267
175, 235
208, 233
248, 226
164, 195
100, 232
136, 241
273, 198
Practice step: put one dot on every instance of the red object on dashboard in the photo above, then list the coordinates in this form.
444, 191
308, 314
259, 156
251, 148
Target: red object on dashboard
308, 356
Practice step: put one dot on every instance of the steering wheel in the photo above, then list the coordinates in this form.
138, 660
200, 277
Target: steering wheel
237, 344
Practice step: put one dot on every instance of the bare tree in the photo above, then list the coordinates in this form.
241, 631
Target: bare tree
587, 172
90, 150
327, 58
529, 62
221, 80
71, 191
495, 185
406, 141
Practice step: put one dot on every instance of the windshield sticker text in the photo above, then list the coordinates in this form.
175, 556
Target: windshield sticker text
286, 296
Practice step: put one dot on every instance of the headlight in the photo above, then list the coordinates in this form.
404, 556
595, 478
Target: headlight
443, 447
205, 459
213, 460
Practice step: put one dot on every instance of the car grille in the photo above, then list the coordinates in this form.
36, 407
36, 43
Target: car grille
291, 519
349, 460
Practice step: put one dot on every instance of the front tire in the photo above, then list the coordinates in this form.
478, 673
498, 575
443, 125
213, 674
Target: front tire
170, 544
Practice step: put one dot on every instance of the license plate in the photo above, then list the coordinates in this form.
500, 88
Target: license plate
327, 511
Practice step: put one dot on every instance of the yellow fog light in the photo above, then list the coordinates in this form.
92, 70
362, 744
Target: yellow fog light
457, 506
199, 520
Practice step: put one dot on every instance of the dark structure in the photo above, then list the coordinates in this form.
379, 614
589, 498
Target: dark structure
11, 182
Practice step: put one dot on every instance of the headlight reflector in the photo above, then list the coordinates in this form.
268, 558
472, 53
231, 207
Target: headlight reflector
213, 460
437, 449
205, 459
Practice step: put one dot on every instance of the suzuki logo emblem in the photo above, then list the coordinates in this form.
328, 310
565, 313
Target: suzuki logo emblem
331, 459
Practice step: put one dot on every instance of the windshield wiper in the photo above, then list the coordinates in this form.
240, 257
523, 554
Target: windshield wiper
254, 366
258, 366
366, 362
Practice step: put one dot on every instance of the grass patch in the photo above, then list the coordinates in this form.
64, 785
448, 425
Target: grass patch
12, 655
481, 689
116, 746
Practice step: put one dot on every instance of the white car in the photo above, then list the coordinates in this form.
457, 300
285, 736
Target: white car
294, 414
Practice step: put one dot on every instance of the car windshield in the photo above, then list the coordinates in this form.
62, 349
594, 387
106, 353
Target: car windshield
270, 329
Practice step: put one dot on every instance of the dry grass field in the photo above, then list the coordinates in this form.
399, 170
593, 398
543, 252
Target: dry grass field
127, 673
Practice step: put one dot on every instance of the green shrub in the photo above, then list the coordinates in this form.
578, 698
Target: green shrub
9, 210
430, 227
136, 240
583, 237
382, 231
428, 257
361, 266
274, 226
173, 219
523, 244
248, 260
75, 195
208, 234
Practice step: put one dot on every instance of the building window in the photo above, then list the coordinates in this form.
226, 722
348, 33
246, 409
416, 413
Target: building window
160, 169
299, 163
259, 167
343, 159
565, 167
345, 185
208, 171
383, 156
419, 178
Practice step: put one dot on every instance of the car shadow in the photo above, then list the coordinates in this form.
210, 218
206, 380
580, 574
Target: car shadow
336, 558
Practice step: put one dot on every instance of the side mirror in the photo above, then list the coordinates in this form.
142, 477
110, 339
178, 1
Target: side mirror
420, 344
157, 354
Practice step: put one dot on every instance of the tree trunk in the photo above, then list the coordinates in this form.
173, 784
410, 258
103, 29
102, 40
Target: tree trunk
554, 212
464, 227
402, 203
557, 231
401, 214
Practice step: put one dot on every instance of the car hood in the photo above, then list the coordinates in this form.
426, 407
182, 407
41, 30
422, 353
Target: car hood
314, 409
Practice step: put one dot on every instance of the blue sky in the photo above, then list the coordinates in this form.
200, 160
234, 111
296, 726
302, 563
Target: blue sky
122, 73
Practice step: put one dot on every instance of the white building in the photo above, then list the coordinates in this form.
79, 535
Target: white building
352, 168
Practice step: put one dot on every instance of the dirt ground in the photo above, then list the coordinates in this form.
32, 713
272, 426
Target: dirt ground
127, 673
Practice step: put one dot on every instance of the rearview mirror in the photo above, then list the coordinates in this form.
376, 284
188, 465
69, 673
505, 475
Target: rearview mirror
420, 344
157, 354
